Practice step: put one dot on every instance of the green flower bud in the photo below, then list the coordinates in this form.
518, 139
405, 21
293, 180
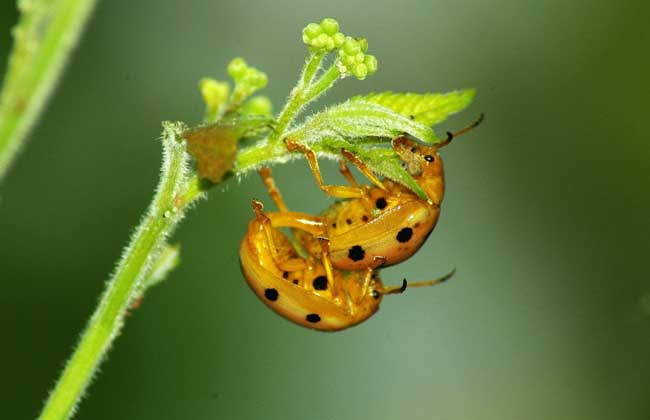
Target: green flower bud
339, 39
371, 63
329, 26
214, 93
348, 60
252, 78
312, 31
351, 47
361, 71
258, 105
359, 58
321, 41
363, 43
237, 68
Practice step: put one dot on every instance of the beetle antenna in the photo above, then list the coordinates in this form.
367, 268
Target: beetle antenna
434, 281
401, 289
451, 136
395, 289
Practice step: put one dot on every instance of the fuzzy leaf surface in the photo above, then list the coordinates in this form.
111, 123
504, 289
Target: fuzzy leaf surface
428, 109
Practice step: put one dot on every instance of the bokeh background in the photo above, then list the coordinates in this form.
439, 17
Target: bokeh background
546, 220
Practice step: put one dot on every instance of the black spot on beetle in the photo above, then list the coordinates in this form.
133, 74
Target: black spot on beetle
381, 203
405, 234
320, 283
414, 149
364, 218
356, 253
295, 281
334, 225
271, 294
313, 318
429, 158
348, 221
285, 275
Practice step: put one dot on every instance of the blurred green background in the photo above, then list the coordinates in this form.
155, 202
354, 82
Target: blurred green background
546, 220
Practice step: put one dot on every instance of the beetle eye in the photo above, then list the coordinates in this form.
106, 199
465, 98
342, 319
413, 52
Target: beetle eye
375, 294
429, 158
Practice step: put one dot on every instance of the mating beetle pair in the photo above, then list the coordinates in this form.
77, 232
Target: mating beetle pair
337, 285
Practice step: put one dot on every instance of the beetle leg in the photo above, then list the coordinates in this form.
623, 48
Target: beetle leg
274, 192
290, 264
366, 284
345, 171
327, 264
363, 169
314, 225
338, 191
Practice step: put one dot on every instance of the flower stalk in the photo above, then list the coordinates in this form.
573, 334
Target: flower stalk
175, 192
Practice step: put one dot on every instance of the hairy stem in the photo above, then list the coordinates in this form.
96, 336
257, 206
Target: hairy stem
44, 37
255, 156
326, 81
297, 98
144, 263
175, 192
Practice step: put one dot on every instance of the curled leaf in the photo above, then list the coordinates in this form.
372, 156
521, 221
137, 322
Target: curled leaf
214, 146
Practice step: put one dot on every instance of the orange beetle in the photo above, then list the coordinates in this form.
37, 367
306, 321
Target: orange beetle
309, 291
378, 225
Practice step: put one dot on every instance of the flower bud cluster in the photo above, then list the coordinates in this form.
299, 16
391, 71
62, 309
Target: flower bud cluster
352, 57
323, 36
247, 79
215, 93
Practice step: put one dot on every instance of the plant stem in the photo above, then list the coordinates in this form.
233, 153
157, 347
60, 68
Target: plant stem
311, 67
259, 154
297, 98
175, 192
44, 37
326, 81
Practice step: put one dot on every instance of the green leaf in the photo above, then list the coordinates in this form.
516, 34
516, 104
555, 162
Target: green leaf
365, 129
384, 161
428, 109
360, 119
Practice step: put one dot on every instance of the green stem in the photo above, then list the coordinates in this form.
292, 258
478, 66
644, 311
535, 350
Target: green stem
260, 154
311, 67
326, 81
44, 37
297, 98
175, 192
